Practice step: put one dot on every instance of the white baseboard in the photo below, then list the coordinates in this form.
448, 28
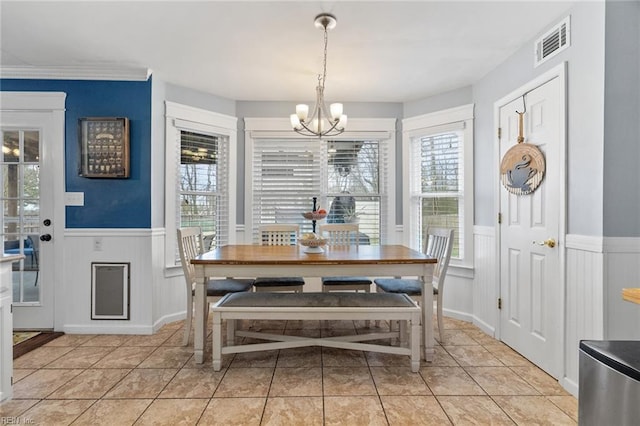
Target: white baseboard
487, 328
167, 319
462, 316
570, 386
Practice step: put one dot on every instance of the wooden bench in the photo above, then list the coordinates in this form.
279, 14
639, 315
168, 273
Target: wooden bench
317, 306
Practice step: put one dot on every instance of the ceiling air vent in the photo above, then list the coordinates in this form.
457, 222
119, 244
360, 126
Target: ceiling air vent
553, 42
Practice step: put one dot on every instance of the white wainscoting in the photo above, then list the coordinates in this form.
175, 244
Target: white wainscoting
621, 270
458, 294
597, 270
154, 299
584, 301
485, 281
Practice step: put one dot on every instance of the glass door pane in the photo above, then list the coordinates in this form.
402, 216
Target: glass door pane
20, 180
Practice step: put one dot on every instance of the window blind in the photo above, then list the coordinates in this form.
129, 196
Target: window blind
437, 190
286, 175
356, 171
203, 183
345, 176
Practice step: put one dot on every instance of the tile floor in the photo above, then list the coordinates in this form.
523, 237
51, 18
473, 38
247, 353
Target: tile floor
144, 380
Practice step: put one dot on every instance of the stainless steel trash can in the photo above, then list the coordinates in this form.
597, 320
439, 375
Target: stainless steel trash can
609, 383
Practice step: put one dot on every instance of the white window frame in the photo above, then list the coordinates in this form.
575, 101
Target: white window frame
358, 129
180, 117
425, 124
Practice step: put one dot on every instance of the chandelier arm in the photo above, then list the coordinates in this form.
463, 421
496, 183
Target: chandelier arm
332, 131
333, 127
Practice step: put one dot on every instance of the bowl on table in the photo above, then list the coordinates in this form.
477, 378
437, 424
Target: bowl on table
313, 245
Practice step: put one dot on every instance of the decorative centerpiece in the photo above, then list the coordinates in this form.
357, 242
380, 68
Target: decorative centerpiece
312, 243
316, 215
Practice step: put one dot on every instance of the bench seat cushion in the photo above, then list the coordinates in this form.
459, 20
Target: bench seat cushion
315, 300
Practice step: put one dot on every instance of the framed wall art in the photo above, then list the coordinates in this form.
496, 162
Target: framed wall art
104, 147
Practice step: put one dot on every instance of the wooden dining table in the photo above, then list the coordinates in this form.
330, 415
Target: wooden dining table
278, 261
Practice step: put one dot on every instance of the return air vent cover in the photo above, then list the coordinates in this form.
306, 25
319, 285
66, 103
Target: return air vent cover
553, 41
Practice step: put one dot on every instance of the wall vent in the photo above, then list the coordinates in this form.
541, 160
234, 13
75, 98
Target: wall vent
553, 42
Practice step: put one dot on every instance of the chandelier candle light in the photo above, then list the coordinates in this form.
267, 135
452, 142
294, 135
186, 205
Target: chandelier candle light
314, 124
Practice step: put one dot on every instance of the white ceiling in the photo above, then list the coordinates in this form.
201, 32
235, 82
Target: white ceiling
380, 51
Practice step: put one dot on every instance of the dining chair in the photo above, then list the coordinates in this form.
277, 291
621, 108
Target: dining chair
280, 234
438, 243
343, 234
190, 245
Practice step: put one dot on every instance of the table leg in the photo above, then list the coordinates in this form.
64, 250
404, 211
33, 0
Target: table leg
217, 341
199, 338
415, 343
427, 312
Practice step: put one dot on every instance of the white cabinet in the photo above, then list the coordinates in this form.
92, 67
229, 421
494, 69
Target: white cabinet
6, 328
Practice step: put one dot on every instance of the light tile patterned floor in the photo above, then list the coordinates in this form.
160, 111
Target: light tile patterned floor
123, 380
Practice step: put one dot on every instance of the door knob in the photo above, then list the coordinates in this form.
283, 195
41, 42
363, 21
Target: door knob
45, 237
551, 243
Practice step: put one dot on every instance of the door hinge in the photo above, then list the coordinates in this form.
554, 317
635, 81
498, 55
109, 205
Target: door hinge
499, 302
499, 132
11, 309
499, 218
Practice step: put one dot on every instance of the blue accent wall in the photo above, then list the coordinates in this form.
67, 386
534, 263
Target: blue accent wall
108, 203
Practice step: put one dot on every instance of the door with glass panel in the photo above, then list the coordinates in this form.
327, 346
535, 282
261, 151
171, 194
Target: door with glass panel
27, 198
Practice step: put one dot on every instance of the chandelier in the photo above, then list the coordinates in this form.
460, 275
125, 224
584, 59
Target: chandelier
320, 123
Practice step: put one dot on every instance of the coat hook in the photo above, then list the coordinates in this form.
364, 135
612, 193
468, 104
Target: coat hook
524, 104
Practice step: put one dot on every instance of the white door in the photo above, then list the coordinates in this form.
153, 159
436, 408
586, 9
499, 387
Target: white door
530, 271
29, 140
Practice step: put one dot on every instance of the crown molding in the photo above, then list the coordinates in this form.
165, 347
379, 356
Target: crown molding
76, 73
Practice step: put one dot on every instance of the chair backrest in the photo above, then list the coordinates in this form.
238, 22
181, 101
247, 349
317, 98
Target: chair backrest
438, 244
279, 234
344, 234
189, 245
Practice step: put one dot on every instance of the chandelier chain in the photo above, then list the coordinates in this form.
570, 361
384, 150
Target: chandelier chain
324, 61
